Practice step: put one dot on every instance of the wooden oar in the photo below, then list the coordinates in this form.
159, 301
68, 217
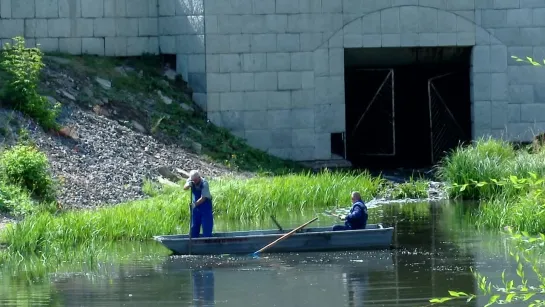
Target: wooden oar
276, 223
255, 254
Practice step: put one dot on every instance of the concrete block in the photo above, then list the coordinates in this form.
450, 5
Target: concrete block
302, 118
390, 21
371, 23
481, 59
354, 27
464, 25
513, 111
168, 7
303, 137
465, 38
409, 20
5, 9
278, 100
275, 24
336, 62
190, 7
353, 41
126, 27
115, 8
308, 80
200, 99
137, 8
213, 102
48, 44
532, 112
310, 6
281, 138
254, 120
413, 39
311, 41
266, 81
47, 9
460, 4
539, 93
287, 43
447, 39
394, 40
263, 43
282, 153
279, 119
446, 22
290, 80
322, 146
148, 27
332, 6
493, 18
302, 153
278, 61
302, 98
439, 4
499, 114
484, 4
531, 3
196, 63
253, 24
230, 63
329, 118
498, 58
153, 45
329, 90
505, 4
215, 118
321, 62
182, 66
233, 120
532, 36
36, 28
260, 139
231, 101
9, 28
538, 17
521, 93
264, 6
23, 9
167, 44
256, 101
115, 46
82, 27
218, 82
482, 114
519, 17
287, 6
70, 45
242, 82
482, 86
372, 40
253, 62
137, 46
427, 20
104, 27
59, 27
522, 74
190, 43
239, 43
217, 43
92, 8
302, 61
426, 39
70, 8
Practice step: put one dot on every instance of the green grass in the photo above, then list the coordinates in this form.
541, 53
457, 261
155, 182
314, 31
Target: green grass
485, 160
167, 211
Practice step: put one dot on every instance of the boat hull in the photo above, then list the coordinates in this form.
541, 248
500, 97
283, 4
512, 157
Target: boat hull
307, 240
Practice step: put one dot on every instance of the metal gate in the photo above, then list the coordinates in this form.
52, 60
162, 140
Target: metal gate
379, 115
445, 131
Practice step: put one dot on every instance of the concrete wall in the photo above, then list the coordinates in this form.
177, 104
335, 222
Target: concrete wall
272, 71
275, 69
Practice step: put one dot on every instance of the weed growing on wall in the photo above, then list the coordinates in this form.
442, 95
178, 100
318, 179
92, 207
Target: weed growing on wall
22, 67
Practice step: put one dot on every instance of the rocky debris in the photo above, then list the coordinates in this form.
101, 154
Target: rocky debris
104, 83
107, 162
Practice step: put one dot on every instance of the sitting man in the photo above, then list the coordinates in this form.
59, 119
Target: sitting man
357, 218
201, 205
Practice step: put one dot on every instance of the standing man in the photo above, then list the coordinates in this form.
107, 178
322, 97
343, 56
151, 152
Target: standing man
357, 218
201, 205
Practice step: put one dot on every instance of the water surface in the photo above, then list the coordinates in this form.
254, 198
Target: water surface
433, 253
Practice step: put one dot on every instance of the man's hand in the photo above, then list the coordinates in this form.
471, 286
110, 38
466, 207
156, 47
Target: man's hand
342, 217
192, 205
190, 183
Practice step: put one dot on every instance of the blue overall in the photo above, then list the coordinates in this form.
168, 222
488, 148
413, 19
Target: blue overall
356, 219
202, 214
203, 287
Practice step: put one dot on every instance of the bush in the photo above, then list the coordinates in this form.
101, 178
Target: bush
24, 165
15, 200
22, 66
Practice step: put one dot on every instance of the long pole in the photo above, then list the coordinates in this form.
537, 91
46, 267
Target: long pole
190, 218
285, 236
